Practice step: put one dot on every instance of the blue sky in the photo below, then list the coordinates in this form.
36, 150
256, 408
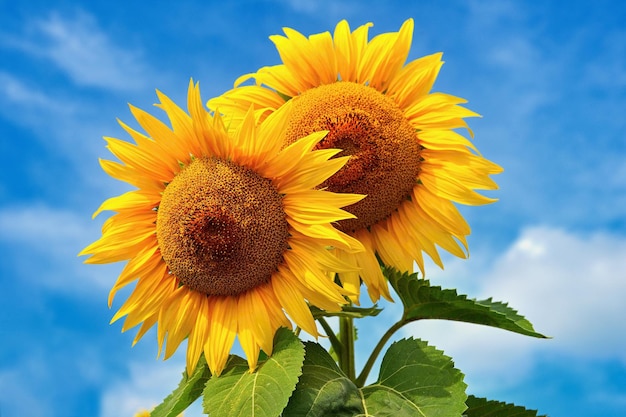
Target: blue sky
548, 77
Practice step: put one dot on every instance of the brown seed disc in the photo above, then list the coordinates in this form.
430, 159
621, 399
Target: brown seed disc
221, 227
371, 128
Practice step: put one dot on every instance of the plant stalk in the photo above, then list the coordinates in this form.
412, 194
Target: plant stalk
346, 356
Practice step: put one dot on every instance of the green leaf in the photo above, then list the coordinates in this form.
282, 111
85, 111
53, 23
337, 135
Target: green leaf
188, 391
481, 407
423, 301
415, 380
323, 390
264, 393
347, 311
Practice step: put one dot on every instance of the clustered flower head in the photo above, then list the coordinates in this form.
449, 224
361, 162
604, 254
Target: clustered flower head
288, 193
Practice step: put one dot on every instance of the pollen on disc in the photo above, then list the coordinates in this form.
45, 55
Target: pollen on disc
221, 227
372, 129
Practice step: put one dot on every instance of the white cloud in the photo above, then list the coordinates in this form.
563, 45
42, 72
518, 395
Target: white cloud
15, 92
40, 226
46, 242
17, 395
80, 48
67, 127
45, 378
146, 387
569, 286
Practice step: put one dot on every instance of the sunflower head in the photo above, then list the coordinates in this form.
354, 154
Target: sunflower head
406, 153
227, 234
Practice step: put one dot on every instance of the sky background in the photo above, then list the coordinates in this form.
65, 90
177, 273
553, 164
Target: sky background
548, 77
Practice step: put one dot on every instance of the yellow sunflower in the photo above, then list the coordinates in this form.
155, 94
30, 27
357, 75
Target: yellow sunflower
225, 233
405, 153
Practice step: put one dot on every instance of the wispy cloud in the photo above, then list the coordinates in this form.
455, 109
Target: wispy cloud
516, 67
53, 237
66, 126
16, 92
146, 387
16, 393
37, 379
39, 225
552, 105
569, 287
81, 49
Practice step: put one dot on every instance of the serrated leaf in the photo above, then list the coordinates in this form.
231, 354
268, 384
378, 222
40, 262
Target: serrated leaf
423, 301
481, 407
347, 311
189, 390
323, 389
416, 380
264, 393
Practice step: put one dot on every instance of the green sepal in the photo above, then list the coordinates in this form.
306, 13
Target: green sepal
423, 301
262, 393
347, 311
415, 380
284, 96
189, 390
481, 407
323, 389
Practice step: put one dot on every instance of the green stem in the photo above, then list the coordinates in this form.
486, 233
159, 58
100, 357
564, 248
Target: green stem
335, 343
346, 357
360, 381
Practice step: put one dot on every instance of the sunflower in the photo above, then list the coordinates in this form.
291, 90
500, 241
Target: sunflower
405, 152
227, 235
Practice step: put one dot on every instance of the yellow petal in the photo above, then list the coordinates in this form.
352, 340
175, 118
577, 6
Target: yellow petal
132, 200
224, 318
452, 189
145, 264
292, 301
349, 49
199, 333
415, 80
384, 55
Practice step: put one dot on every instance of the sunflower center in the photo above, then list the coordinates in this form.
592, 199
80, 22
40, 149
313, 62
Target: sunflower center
372, 129
221, 227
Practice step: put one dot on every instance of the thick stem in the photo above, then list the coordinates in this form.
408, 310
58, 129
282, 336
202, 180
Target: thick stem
360, 381
346, 336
